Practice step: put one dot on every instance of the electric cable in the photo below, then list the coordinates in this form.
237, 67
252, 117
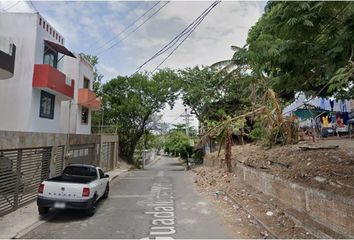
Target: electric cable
191, 31
135, 29
179, 36
123, 31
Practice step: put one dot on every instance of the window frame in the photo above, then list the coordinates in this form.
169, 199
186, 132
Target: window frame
82, 112
101, 171
52, 105
88, 81
49, 51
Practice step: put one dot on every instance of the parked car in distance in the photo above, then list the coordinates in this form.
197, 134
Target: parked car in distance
78, 187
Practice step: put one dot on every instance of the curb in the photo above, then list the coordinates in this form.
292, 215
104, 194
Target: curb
36, 224
114, 177
153, 162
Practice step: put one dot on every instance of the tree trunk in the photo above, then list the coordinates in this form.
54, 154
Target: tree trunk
126, 151
228, 146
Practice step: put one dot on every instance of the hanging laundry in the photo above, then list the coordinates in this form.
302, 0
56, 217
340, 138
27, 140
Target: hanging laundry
327, 105
345, 117
349, 106
322, 103
352, 103
343, 106
325, 121
331, 102
336, 106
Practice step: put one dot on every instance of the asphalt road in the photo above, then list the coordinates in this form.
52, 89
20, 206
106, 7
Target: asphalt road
158, 202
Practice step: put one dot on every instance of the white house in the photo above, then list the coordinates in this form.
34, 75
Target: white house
84, 101
31, 100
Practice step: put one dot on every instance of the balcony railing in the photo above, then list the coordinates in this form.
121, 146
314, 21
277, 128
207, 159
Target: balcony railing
48, 78
88, 98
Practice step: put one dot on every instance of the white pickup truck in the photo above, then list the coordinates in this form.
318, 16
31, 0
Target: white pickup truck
79, 187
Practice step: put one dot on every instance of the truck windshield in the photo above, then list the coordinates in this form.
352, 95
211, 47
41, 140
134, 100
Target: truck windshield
80, 171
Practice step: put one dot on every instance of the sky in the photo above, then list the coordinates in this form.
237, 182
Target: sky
102, 28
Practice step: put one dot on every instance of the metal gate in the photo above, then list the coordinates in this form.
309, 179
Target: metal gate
81, 154
59, 160
21, 172
107, 156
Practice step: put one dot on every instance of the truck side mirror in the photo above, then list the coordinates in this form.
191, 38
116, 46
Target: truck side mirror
106, 176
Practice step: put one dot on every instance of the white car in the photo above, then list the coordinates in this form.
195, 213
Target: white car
79, 187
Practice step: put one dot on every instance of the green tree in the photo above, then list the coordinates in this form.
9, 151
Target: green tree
129, 103
212, 94
304, 46
177, 143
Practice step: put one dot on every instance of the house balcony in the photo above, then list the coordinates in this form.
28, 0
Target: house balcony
88, 99
7, 60
48, 78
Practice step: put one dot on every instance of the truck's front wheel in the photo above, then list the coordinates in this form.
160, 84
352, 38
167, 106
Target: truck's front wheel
43, 210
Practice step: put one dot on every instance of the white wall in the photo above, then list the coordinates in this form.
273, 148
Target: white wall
76, 69
43, 124
19, 101
85, 72
16, 92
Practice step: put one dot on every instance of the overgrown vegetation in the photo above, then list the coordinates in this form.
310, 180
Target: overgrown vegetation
294, 46
178, 144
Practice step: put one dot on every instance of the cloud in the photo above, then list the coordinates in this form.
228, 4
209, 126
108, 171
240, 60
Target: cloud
226, 25
87, 25
15, 6
109, 72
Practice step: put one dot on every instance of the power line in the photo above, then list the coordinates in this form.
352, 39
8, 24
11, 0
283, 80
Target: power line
34, 7
174, 40
134, 30
180, 115
180, 35
124, 30
191, 31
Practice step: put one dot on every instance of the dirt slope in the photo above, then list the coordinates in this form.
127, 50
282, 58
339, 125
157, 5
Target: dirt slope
327, 169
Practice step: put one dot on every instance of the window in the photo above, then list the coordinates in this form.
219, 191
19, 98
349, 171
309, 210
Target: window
80, 171
101, 173
47, 105
84, 115
50, 57
86, 83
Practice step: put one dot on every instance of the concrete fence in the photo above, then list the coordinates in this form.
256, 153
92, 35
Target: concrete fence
28, 158
333, 215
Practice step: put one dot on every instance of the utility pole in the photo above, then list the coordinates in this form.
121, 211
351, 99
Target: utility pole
186, 115
187, 119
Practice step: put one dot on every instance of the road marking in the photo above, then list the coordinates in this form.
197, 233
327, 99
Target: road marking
163, 210
129, 196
